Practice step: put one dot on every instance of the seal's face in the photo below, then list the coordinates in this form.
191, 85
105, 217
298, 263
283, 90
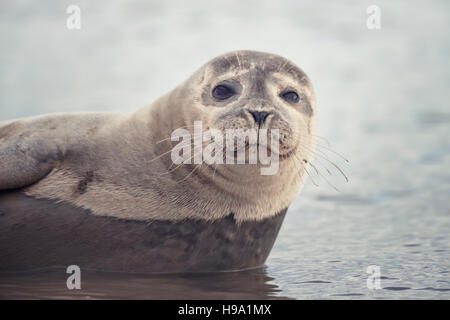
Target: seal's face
254, 90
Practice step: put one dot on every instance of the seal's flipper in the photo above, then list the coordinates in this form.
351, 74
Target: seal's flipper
26, 156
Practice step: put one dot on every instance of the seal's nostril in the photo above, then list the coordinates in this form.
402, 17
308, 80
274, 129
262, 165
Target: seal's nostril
259, 116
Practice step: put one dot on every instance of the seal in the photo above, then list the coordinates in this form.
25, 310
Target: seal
101, 190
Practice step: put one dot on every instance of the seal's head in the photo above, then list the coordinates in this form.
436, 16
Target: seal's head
248, 89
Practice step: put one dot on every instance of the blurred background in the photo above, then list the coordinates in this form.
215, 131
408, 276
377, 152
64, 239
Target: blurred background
383, 103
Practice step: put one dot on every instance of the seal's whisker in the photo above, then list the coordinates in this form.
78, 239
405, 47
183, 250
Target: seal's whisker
190, 173
313, 154
296, 162
318, 173
321, 175
172, 170
325, 167
163, 154
323, 138
336, 153
181, 164
158, 142
303, 166
170, 138
328, 147
159, 156
318, 153
314, 167
329, 161
312, 180
197, 166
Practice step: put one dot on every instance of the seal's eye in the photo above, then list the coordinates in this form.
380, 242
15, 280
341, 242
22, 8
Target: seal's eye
290, 96
222, 92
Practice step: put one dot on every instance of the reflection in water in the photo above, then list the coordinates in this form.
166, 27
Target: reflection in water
51, 284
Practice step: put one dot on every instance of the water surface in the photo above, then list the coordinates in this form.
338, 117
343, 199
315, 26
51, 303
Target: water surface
382, 102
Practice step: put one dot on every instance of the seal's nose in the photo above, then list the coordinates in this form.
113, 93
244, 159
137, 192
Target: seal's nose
259, 116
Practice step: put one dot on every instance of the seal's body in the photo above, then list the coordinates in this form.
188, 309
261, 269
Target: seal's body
101, 190
37, 234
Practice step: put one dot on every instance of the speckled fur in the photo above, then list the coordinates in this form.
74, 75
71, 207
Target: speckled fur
106, 162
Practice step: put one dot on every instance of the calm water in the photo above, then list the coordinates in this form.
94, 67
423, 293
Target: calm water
383, 99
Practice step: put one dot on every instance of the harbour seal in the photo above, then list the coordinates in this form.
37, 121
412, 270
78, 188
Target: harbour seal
100, 190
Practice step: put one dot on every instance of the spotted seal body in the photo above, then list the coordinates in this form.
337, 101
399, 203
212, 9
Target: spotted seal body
101, 191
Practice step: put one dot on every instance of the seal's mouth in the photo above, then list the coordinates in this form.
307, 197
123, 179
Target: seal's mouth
255, 147
249, 145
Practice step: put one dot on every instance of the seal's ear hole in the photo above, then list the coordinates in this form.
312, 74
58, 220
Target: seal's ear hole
226, 89
290, 96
